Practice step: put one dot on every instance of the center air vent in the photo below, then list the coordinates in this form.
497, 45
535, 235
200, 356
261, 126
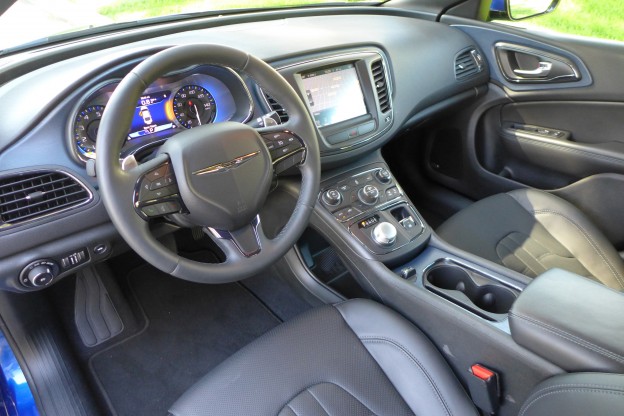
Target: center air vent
277, 107
31, 195
381, 85
468, 63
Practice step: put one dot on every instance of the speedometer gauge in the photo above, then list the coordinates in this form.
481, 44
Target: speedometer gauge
194, 106
86, 126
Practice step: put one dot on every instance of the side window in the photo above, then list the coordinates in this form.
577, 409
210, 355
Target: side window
603, 19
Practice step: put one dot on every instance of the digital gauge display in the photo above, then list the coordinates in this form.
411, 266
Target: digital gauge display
152, 115
157, 112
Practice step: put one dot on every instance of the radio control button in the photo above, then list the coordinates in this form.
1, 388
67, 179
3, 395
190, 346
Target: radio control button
369, 194
383, 175
332, 197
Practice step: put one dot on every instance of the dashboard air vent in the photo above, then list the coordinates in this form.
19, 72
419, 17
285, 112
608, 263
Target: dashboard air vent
468, 63
31, 195
277, 107
381, 85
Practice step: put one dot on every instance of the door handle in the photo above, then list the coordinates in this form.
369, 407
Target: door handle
542, 70
522, 64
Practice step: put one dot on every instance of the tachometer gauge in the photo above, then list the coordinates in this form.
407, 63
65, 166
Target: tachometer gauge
194, 106
86, 127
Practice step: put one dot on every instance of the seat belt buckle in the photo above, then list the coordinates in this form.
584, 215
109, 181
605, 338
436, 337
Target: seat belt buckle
484, 387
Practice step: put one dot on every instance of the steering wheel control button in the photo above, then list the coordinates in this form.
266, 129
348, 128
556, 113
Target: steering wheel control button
165, 208
167, 180
39, 273
384, 234
281, 144
159, 173
150, 211
369, 194
383, 175
156, 194
332, 197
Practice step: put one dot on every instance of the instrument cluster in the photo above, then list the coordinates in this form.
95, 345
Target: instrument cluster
190, 98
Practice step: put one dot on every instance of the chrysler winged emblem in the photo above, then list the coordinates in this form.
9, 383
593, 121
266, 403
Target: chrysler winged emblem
225, 166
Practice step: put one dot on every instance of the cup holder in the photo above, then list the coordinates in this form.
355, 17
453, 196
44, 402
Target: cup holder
469, 289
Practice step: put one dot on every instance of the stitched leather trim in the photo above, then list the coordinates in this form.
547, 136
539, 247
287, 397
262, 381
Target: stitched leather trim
576, 385
414, 360
307, 389
590, 240
572, 338
570, 390
318, 401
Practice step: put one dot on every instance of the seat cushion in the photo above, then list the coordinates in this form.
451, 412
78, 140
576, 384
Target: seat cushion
533, 231
354, 358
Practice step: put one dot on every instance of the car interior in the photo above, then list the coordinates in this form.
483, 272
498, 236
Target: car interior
343, 209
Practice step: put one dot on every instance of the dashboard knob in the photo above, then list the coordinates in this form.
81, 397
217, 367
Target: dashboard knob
384, 234
332, 197
40, 275
369, 194
383, 175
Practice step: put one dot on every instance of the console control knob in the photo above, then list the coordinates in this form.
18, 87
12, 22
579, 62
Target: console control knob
369, 194
383, 175
40, 275
384, 234
332, 197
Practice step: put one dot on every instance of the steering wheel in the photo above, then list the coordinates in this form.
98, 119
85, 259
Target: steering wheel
216, 176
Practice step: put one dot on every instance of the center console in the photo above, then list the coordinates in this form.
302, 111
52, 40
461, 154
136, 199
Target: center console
372, 206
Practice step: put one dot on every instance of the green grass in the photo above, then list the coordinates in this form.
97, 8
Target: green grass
594, 18
123, 10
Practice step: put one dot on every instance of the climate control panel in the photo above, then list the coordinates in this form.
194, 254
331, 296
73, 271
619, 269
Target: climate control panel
372, 206
355, 194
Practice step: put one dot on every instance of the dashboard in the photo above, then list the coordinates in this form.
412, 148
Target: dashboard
364, 77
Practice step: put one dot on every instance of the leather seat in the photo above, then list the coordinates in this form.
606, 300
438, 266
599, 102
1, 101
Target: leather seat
532, 231
354, 358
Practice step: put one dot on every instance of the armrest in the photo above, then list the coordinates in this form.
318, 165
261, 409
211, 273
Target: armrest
577, 395
574, 322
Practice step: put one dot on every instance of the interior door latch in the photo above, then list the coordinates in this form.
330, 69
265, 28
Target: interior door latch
542, 71
521, 64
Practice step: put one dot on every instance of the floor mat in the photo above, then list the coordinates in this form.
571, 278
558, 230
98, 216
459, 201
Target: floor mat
191, 328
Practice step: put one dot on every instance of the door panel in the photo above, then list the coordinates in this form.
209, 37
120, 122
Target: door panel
544, 134
539, 133
553, 144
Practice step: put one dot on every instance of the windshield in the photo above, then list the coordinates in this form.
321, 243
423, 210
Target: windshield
34, 20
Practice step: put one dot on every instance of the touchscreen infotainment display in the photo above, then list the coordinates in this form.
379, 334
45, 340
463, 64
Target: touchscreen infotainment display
334, 94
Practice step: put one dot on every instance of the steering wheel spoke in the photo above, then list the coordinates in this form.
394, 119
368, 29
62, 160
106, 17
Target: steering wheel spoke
245, 242
156, 191
286, 148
